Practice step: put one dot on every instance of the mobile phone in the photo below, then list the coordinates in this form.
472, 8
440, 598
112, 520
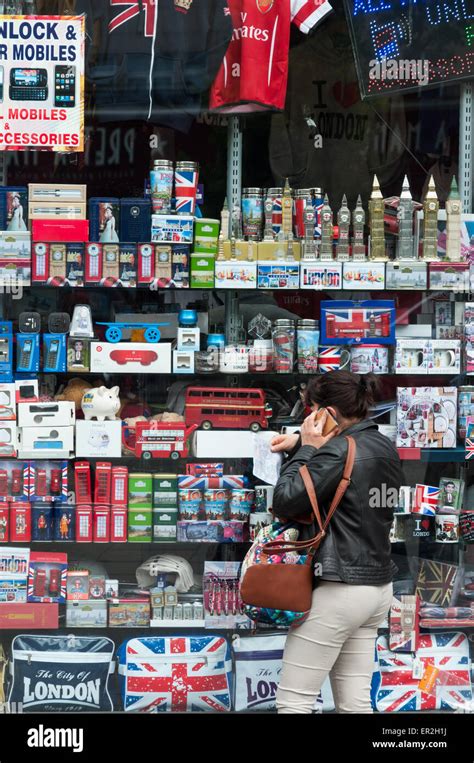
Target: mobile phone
65, 86
52, 355
330, 424
25, 355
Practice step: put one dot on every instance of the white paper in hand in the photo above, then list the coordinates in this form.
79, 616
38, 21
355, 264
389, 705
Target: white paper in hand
266, 465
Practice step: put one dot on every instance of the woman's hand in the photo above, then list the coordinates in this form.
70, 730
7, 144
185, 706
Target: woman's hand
312, 431
283, 443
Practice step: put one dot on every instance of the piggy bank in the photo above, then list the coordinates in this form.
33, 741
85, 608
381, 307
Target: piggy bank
101, 403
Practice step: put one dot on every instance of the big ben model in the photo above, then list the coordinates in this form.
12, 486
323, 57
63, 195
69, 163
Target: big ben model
309, 244
343, 223
358, 224
268, 211
405, 223
376, 217
326, 231
453, 224
286, 211
430, 222
224, 231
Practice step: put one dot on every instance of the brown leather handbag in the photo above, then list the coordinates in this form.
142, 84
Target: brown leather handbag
290, 586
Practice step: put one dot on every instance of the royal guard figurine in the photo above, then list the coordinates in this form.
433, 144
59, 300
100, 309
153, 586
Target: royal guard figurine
20, 524
358, 224
343, 224
41, 526
453, 224
376, 223
405, 223
430, 222
64, 523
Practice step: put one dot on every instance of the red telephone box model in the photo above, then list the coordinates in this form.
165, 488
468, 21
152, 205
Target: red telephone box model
227, 408
154, 439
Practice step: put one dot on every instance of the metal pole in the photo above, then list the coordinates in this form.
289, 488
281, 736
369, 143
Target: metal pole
466, 146
234, 189
234, 162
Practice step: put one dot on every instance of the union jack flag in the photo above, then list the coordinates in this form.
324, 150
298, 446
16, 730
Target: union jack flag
426, 499
186, 188
436, 582
134, 8
469, 447
228, 481
396, 685
176, 674
329, 359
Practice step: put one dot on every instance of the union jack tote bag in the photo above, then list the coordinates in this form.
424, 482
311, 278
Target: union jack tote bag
161, 674
436, 677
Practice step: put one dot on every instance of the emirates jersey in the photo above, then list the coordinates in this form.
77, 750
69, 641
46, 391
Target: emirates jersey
254, 72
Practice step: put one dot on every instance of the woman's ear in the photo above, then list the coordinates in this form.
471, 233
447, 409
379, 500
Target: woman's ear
334, 413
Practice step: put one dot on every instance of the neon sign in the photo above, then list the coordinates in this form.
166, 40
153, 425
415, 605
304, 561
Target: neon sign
387, 35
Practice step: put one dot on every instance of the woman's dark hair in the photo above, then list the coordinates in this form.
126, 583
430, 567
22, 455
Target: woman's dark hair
352, 394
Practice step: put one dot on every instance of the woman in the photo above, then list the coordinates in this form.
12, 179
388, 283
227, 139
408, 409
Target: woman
353, 587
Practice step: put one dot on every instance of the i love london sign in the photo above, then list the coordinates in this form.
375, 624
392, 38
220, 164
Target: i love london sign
407, 44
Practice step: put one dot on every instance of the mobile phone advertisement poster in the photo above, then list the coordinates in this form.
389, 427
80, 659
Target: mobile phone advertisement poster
42, 83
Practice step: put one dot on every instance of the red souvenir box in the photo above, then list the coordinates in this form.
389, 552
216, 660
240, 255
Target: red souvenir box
48, 481
94, 256
84, 531
20, 522
101, 524
55, 231
118, 524
82, 482
29, 616
47, 577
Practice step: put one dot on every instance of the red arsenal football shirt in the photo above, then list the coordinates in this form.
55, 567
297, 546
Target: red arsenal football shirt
254, 72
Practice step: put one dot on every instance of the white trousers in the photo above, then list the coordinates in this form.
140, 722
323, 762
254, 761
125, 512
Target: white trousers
337, 639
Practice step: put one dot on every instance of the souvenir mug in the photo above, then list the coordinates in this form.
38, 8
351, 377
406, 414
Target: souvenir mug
413, 358
369, 358
333, 359
444, 358
447, 528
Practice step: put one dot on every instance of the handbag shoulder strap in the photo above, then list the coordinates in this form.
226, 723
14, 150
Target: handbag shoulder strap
341, 488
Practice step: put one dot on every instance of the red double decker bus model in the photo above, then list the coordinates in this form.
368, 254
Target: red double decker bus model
227, 408
155, 439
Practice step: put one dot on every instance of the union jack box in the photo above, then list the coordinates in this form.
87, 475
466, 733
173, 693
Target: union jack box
365, 322
229, 481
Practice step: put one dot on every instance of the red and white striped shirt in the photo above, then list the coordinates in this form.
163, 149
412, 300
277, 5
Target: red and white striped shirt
254, 72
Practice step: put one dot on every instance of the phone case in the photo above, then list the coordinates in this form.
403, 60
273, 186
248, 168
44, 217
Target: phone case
330, 423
